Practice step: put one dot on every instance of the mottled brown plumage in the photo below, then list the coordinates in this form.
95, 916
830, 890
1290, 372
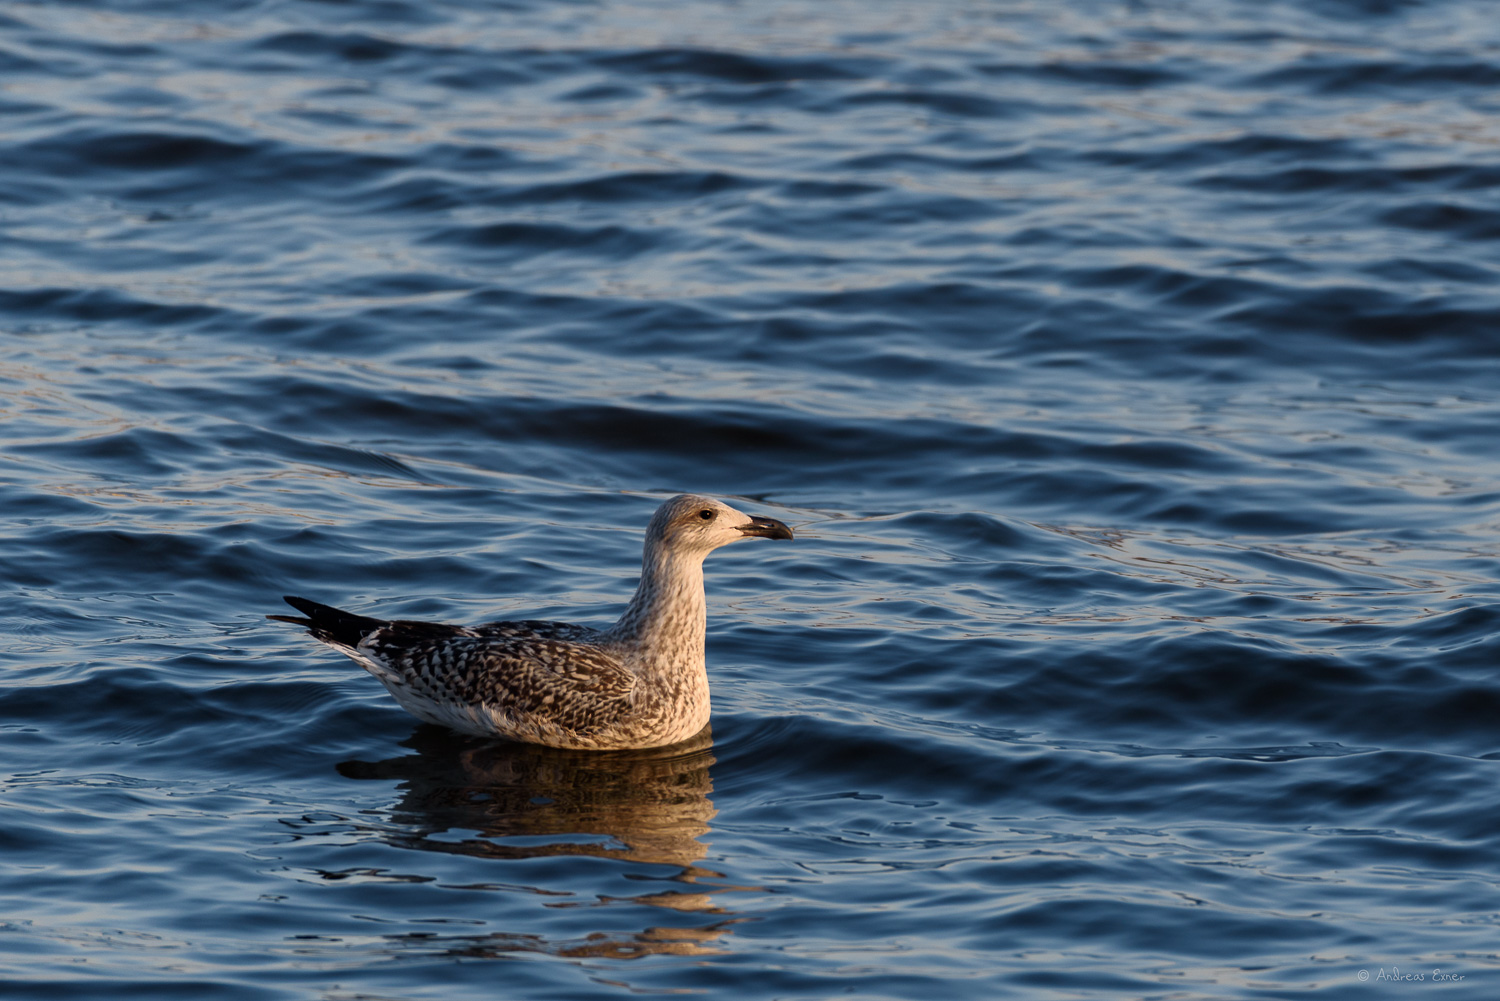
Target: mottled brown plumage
640, 683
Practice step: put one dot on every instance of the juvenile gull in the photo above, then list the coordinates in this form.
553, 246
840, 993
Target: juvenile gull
640, 683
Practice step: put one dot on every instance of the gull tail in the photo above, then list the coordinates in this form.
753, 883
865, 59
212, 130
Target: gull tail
329, 624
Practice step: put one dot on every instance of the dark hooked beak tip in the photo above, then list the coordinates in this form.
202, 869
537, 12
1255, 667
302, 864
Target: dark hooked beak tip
766, 528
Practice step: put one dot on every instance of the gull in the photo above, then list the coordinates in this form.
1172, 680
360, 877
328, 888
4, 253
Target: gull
640, 683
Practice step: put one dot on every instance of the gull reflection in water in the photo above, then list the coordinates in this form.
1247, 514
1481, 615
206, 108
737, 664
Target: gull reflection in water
525, 801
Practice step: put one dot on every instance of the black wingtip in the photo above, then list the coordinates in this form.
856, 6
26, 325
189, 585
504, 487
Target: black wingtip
329, 624
303, 605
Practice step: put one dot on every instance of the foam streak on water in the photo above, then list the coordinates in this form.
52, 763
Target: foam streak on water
1128, 370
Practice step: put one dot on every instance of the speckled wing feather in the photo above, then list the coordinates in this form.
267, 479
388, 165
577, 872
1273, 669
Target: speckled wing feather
524, 671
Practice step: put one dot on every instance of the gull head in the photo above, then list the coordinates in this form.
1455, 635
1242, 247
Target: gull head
692, 523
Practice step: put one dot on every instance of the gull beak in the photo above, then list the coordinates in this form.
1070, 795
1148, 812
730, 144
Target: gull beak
766, 528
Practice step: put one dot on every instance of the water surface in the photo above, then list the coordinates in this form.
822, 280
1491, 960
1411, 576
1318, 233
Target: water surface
1128, 370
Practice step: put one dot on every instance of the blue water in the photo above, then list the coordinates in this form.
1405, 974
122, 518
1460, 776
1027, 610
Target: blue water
1130, 372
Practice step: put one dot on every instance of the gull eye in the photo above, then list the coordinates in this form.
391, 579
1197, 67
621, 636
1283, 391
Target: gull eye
706, 514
